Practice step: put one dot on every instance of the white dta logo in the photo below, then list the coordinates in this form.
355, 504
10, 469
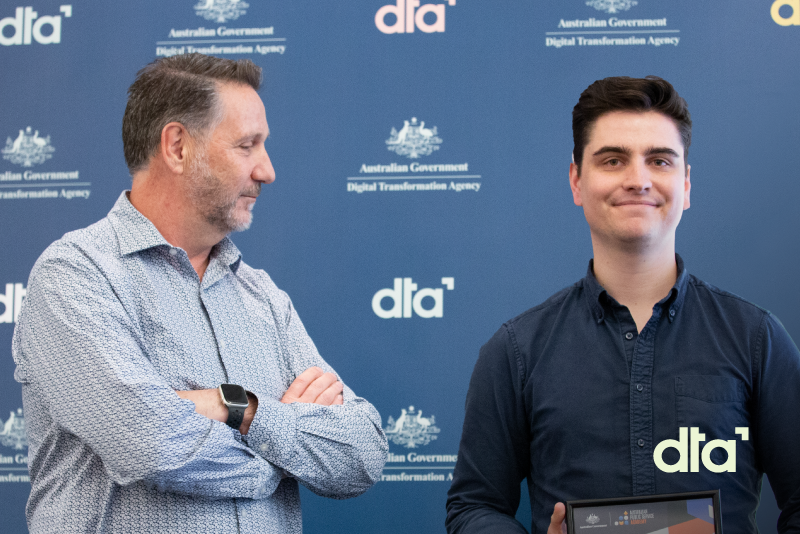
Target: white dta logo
689, 454
221, 10
411, 429
12, 301
404, 299
414, 140
407, 18
28, 149
26, 30
612, 6
13, 432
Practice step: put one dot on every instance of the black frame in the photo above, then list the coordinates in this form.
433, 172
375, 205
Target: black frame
714, 494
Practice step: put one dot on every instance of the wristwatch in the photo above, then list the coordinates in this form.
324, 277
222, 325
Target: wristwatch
235, 398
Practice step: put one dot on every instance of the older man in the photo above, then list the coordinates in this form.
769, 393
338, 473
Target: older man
577, 393
168, 386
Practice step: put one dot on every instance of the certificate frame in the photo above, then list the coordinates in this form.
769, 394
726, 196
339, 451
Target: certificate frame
574, 507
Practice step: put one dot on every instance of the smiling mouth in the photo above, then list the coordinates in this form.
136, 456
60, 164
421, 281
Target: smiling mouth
636, 203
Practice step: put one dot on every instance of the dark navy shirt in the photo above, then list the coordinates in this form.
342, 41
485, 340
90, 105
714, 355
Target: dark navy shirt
571, 396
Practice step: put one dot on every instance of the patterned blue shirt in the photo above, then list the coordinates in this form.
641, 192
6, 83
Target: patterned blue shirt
114, 322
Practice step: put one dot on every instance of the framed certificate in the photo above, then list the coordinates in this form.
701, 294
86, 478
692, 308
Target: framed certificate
695, 512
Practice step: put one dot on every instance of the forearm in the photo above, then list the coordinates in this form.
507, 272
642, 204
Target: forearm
336, 451
208, 403
219, 469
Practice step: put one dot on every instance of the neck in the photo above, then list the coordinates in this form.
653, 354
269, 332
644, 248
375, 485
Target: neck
636, 279
159, 198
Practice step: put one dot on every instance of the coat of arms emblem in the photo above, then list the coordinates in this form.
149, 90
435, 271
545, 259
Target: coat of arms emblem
592, 519
221, 10
612, 6
414, 140
28, 149
411, 429
13, 432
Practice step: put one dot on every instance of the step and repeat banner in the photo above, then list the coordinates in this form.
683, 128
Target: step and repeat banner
422, 198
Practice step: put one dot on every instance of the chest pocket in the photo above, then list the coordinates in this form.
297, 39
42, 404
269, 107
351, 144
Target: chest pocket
714, 404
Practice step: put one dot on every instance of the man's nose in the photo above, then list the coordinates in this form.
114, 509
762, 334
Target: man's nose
638, 177
264, 171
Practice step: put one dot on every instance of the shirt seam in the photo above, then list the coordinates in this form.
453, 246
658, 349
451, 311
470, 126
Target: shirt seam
755, 371
517, 356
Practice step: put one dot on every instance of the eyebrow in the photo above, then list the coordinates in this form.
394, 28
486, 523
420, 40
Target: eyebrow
251, 136
627, 151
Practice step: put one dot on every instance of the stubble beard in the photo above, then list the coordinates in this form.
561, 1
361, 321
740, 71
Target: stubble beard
214, 202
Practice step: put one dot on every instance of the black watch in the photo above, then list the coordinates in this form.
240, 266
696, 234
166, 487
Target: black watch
235, 398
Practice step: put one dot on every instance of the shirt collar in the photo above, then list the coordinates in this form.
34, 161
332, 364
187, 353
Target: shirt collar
136, 233
596, 295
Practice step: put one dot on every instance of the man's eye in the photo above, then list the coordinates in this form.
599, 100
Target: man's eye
660, 163
613, 162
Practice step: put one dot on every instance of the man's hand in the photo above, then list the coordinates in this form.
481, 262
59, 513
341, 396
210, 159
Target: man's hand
208, 403
314, 386
557, 523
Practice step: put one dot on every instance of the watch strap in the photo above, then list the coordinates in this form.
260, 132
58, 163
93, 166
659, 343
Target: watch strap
235, 416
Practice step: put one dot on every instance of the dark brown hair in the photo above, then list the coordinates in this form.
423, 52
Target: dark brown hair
628, 94
182, 89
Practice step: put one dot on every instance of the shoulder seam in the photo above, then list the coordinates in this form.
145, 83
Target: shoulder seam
722, 293
517, 356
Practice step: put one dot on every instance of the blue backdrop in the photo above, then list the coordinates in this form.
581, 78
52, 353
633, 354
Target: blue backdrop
421, 196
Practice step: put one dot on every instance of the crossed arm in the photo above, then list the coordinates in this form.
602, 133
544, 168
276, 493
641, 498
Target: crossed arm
126, 413
313, 386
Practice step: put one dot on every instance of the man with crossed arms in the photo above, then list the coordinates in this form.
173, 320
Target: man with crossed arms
167, 385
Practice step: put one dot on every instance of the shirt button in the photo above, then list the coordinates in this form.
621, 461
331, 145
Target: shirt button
629, 335
639, 387
640, 443
173, 252
221, 345
672, 312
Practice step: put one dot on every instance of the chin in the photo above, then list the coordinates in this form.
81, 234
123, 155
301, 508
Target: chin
242, 222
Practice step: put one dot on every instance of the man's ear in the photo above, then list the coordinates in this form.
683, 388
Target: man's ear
687, 188
174, 147
574, 184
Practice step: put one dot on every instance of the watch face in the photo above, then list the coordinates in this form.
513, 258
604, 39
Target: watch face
234, 394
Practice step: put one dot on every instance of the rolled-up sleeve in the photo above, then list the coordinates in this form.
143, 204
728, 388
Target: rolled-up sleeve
335, 451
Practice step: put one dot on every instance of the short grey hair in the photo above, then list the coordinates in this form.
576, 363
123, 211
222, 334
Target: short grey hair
182, 89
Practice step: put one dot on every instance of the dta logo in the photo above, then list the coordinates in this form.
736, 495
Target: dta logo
406, 18
794, 20
12, 301
25, 28
411, 429
401, 295
221, 10
13, 433
28, 149
592, 519
414, 140
612, 6
690, 447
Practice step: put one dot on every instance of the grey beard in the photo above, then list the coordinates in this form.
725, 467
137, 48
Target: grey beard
216, 205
